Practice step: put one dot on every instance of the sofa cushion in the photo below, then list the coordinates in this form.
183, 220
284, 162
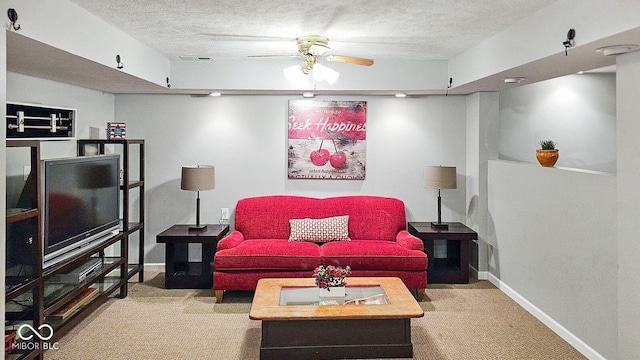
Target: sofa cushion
335, 228
373, 255
370, 217
269, 254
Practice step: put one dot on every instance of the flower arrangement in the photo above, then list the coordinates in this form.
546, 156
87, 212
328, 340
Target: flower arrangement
328, 276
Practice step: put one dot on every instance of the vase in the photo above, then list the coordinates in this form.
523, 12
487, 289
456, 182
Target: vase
332, 293
547, 158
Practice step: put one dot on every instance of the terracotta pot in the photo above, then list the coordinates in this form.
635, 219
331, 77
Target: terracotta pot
547, 157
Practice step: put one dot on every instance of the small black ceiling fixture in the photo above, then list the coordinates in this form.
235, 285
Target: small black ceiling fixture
13, 17
571, 34
120, 64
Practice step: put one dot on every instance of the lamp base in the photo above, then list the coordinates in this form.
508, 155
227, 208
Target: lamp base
198, 228
440, 226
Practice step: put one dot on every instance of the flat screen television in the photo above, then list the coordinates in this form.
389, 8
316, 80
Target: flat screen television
81, 203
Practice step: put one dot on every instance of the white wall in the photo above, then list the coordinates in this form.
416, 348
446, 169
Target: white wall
554, 243
578, 112
244, 137
628, 108
94, 109
67, 26
540, 35
390, 75
482, 145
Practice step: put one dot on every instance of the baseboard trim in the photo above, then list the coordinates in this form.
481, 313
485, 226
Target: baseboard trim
568, 336
156, 267
483, 275
480, 275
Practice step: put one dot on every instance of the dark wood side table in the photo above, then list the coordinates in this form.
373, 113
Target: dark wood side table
180, 273
454, 268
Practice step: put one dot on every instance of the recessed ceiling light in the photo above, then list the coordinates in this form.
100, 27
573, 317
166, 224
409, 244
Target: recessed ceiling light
514, 80
215, 93
617, 49
401, 95
580, 72
308, 94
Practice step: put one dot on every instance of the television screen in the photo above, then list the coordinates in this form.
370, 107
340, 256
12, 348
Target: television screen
81, 201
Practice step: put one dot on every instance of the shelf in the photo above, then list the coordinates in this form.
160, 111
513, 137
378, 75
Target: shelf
60, 293
110, 141
445, 264
187, 269
135, 226
23, 263
23, 143
14, 215
81, 257
105, 289
56, 281
132, 184
132, 270
126, 186
18, 285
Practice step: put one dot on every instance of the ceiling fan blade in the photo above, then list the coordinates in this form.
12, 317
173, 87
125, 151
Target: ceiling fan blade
350, 60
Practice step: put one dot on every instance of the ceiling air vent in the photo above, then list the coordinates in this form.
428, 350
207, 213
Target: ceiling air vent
195, 58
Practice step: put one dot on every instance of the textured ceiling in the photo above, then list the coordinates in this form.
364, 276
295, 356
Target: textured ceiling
378, 29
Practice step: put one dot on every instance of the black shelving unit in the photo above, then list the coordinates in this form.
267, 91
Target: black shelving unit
128, 185
35, 295
23, 290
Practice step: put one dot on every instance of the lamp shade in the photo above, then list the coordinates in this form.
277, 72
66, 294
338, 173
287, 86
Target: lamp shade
198, 178
440, 177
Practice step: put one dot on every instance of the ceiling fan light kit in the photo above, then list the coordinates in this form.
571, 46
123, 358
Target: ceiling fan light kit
313, 47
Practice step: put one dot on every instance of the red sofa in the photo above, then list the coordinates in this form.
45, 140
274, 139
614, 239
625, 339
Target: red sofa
259, 247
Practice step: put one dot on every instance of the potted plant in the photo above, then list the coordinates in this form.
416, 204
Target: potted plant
547, 155
331, 277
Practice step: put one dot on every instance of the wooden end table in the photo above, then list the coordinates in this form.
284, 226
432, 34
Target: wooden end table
180, 273
454, 268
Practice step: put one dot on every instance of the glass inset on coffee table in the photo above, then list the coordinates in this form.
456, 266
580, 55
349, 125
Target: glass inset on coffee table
355, 295
292, 318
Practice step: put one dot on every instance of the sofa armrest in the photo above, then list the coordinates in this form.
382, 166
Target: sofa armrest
234, 239
409, 241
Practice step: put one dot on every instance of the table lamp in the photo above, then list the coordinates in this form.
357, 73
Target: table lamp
198, 178
440, 177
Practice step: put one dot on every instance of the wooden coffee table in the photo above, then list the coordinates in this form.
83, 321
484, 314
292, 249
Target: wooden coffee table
335, 331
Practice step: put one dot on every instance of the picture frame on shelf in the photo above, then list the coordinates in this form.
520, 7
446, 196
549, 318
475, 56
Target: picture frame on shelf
116, 130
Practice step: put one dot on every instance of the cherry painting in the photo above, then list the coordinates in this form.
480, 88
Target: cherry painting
327, 139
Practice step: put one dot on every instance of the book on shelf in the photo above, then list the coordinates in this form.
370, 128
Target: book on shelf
74, 305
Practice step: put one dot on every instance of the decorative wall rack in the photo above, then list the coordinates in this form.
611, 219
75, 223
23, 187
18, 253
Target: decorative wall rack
31, 121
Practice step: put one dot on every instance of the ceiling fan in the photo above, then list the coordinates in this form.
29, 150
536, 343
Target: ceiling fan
312, 47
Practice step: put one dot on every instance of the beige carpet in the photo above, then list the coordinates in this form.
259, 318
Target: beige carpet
475, 321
